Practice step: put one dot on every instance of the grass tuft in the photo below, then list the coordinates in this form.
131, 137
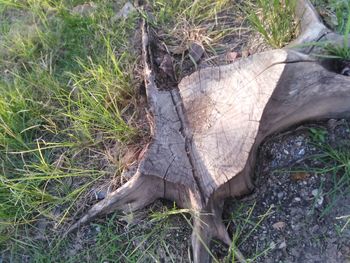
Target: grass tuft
67, 90
275, 20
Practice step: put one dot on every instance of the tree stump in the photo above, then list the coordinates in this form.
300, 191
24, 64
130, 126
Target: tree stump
207, 130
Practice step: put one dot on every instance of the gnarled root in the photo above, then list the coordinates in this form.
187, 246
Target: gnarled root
138, 192
208, 225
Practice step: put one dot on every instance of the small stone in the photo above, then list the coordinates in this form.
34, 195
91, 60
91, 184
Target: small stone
280, 195
167, 65
346, 71
126, 10
245, 53
297, 199
320, 200
282, 245
84, 9
279, 225
315, 192
285, 151
196, 51
100, 195
231, 56
301, 152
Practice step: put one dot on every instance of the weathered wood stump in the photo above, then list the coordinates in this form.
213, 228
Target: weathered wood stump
206, 132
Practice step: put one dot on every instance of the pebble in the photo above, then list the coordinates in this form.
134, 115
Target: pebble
282, 245
100, 195
196, 51
272, 245
84, 9
315, 192
126, 10
297, 199
320, 200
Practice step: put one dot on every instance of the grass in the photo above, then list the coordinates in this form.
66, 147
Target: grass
329, 50
275, 20
340, 11
245, 224
334, 12
333, 162
67, 96
334, 51
341, 52
109, 241
208, 23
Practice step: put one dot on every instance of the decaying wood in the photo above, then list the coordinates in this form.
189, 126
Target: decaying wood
208, 129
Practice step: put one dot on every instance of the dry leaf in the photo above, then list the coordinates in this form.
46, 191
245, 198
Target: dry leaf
231, 56
300, 176
279, 225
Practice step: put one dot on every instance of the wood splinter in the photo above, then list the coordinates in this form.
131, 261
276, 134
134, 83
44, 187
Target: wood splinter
208, 129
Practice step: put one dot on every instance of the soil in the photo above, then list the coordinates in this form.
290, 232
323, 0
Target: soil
304, 208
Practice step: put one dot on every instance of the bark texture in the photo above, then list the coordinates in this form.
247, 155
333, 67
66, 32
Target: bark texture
206, 131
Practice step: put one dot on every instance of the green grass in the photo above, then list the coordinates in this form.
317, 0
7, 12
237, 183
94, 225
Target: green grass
275, 20
339, 51
67, 95
333, 162
245, 225
334, 12
113, 240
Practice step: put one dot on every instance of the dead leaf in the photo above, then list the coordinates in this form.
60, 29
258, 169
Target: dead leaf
245, 53
231, 56
84, 9
279, 225
300, 176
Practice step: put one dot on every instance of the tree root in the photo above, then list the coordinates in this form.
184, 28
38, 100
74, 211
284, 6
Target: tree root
138, 192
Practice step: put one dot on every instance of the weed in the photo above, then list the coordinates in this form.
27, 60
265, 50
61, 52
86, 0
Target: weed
318, 135
341, 52
274, 20
335, 12
66, 84
335, 51
206, 23
245, 224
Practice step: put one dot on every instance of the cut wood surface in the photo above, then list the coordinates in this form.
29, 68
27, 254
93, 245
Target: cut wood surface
206, 131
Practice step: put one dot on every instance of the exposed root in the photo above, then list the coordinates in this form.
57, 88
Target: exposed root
207, 226
140, 191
